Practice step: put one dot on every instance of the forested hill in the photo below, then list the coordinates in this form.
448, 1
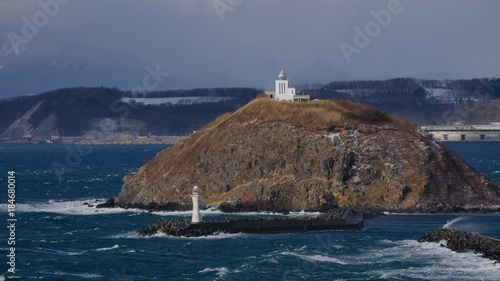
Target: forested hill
88, 111
76, 111
426, 102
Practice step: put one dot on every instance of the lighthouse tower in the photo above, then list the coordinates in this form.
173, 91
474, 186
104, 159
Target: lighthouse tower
283, 92
196, 206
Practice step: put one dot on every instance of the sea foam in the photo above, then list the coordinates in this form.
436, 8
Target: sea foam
221, 271
318, 258
76, 207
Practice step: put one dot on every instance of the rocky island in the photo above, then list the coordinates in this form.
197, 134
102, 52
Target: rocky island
312, 156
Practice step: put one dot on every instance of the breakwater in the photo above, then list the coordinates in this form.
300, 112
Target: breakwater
347, 220
462, 241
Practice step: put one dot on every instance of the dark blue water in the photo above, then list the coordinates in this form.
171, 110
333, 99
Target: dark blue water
59, 238
485, 157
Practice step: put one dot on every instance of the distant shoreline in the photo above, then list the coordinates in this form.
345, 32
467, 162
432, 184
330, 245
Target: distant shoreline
107, 140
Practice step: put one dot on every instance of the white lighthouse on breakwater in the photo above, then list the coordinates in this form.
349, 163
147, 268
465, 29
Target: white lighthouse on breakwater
196, 218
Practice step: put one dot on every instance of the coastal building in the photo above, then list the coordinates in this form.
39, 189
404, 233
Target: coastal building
283, 92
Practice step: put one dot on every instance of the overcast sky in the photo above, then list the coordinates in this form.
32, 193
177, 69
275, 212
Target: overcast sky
247, 42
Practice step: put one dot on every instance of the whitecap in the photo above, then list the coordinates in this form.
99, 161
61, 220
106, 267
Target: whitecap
317, 258
130, 234
438, 263
64, 252
215, 211
108, 248
135, 235
82, 275
221, 235
221, 271
77, 207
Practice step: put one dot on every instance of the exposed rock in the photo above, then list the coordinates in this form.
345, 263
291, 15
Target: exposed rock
461, 241
311, 156
110, 203
151, 206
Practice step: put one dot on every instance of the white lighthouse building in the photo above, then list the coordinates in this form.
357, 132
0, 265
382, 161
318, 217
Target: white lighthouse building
285, 93
196, 218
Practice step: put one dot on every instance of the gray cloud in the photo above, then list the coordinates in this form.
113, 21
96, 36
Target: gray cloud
256, 39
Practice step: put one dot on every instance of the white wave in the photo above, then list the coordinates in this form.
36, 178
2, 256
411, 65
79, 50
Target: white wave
221, 235
76, 207
2, 278
317, 258
128, 235
221, 271
450, 223
64, 252
434, 263
135, 235
108, 248
75, 231
82, 275
214, 211
303, 213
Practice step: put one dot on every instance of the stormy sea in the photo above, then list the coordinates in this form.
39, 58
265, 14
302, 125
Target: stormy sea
59, 234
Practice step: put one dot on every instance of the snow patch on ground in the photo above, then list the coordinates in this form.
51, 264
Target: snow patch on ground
176, 100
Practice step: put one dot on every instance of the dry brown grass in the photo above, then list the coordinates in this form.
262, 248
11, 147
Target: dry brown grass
316, 116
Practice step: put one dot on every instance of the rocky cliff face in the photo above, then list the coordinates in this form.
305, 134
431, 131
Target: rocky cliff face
310, 156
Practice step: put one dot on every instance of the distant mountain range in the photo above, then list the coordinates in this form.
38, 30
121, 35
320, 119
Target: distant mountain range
44, 67
41, 66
